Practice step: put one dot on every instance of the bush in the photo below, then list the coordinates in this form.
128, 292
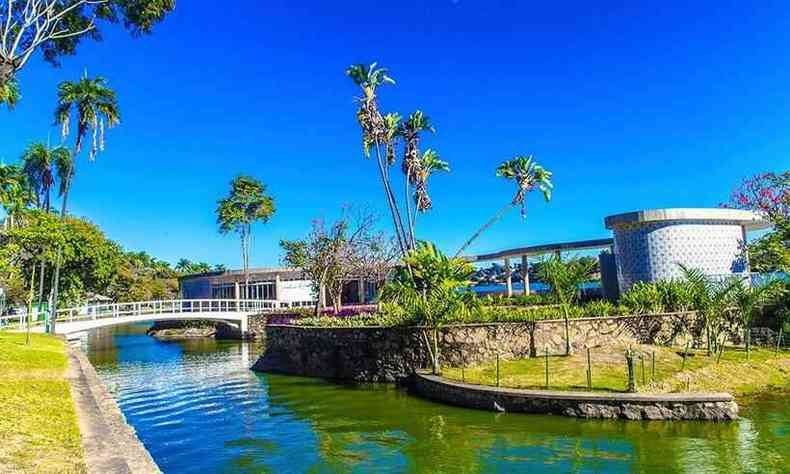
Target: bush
389, 316
599, 309
532, 299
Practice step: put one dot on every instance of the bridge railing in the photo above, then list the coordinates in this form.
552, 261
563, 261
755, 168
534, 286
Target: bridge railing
146, 308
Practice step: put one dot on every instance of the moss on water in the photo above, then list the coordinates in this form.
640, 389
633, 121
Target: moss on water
38, 422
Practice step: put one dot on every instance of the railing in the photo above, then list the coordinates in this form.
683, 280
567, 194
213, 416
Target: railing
147, 308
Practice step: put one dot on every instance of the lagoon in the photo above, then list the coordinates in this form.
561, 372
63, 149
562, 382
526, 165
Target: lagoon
198, 409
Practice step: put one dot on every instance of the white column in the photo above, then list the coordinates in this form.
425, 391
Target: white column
525, 273
277, 289
509, 278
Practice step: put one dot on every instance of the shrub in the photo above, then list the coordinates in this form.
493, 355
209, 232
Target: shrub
643, 298
599, 309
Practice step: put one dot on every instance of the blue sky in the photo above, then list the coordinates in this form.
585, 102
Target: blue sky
631, 105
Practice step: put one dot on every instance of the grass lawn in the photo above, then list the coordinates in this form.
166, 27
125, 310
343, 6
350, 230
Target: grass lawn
732, 374
38, 424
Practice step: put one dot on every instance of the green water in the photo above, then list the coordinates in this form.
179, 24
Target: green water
198, 409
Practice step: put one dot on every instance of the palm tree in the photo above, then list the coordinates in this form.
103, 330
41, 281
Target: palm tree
432, 289
748, 299
429, 164
528, 175
375, 133
15, 193
41, 164
565, 279
9, 93
711, 300
183, 266
246, 204
416, 124
95, 107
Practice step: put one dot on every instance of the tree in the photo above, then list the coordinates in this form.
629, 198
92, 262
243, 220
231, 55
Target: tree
41, 164
528, 176
332, 255
410, 131
94, 106
435, 290
246, 204
9, 94
57, 27
16, 194
711, 300
429, 164
768, 194
748, 299
565, 279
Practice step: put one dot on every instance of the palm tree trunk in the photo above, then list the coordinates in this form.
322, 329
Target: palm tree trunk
393, 204
567, 330
407, 196
499, 215
56, 277
43, 264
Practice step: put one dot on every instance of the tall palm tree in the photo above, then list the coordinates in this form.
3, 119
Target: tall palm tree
246, 204
375, 133
15, 193
416, 124
94, 106
41, 164
9, 94
429, 164
528, 176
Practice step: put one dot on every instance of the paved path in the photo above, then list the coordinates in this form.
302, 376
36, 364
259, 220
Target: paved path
110, 444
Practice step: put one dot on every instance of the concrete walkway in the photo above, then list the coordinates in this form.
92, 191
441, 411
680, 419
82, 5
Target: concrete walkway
111, 446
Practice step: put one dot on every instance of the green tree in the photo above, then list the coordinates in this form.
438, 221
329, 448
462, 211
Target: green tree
377, 132
16, 194
416, 124
41, 164
429, 164
528, 176
56, 28
711, 300
246, 204
435, 290
565, 279
93, 106
9, 94
749, 299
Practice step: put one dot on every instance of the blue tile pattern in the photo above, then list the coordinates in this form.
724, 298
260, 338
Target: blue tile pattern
652, 251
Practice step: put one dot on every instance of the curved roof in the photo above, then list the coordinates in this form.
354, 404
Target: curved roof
750, 220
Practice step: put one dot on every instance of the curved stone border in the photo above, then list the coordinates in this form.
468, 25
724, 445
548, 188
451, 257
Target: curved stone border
630, 406
110, 444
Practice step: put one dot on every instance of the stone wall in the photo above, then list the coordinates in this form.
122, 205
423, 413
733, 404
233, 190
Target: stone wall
631, 406
374, 354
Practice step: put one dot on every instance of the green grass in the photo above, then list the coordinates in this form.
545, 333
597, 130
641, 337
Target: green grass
38, 423
734, 373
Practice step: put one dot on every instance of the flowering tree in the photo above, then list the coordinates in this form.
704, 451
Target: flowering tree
768, 193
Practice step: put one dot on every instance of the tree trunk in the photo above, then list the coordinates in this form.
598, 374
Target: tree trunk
499, 215
53, 311
411, 219
7, 71
436, 369
567, 330
393, 204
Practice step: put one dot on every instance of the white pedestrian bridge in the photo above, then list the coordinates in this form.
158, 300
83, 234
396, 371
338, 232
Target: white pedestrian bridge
74, 321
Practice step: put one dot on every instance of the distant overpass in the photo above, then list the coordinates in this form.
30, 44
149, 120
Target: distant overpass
524, 252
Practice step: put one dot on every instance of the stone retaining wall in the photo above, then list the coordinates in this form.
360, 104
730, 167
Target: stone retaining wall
375, 354
699, 406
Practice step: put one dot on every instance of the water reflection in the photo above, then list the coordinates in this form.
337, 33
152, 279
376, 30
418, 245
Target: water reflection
198, 408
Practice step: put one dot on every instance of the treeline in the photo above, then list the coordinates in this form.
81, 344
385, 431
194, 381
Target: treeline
92, 265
